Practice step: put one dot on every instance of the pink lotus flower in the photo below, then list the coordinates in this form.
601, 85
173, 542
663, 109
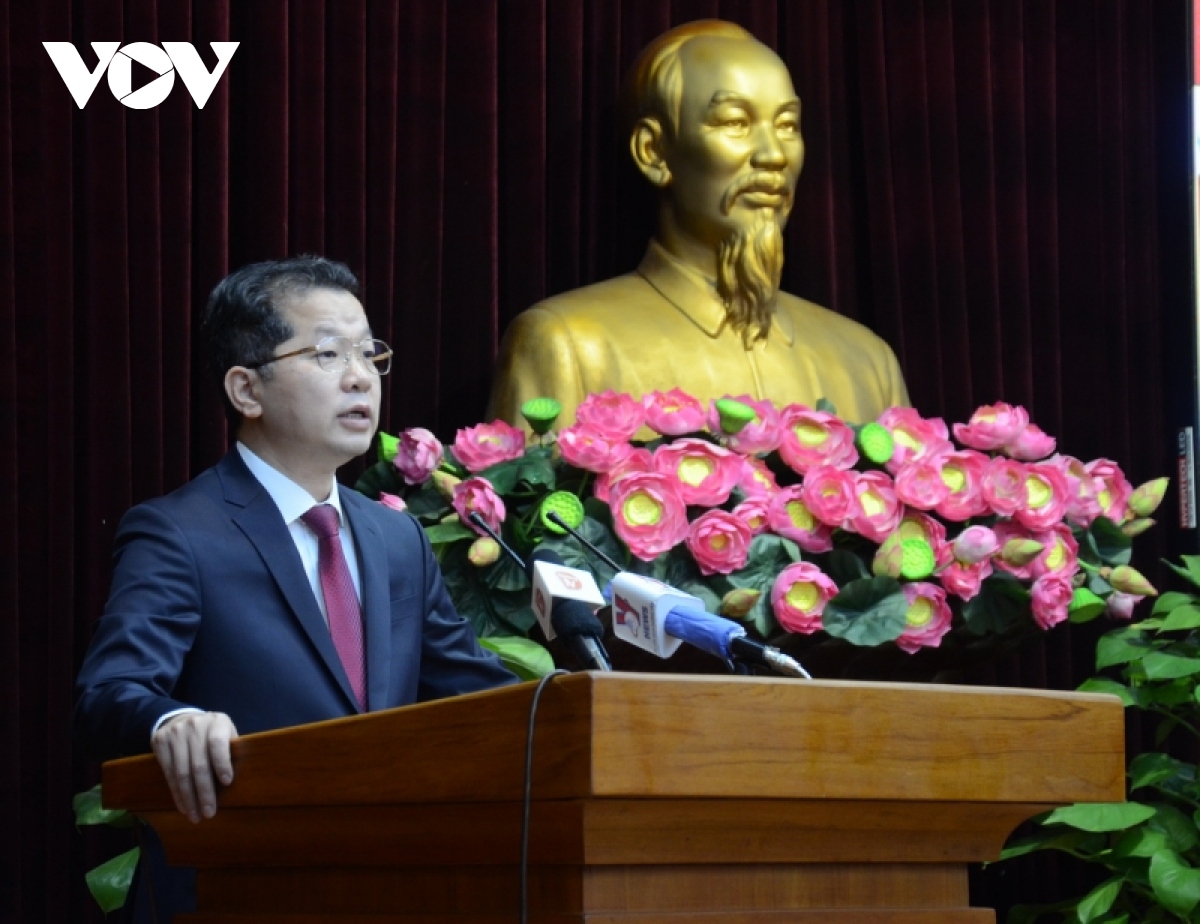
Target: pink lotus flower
963, 474
975, 544
1120, 605
964, 580
757, 480
790, 517
640, 460
418, 454
1059, 555
673, 413
1046, 495
915, 436
753, 512
719, 541
992, 426
1004, 486
1052, 594
810, 438
799, 595
486, 445
706, 473
648, 514
878, 511
394, 501
477, 495
928, 617
614, 416
829, 494
590, 449
1031, 445
919, 483
1082, 504
760, 435
1112, 489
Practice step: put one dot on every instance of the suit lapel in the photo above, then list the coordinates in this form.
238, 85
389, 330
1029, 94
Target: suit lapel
377, 616
259, 518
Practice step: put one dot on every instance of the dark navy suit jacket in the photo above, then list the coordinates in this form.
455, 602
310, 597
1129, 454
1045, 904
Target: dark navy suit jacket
210, 607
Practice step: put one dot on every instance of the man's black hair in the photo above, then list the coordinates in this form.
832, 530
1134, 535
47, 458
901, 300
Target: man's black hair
243, 324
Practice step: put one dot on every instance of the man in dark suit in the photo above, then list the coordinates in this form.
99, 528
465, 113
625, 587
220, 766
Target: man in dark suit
262, 594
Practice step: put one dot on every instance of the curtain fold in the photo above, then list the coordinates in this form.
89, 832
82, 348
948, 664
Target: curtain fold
999, 188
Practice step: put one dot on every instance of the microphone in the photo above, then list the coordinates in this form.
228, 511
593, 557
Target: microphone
564, 602
657, 618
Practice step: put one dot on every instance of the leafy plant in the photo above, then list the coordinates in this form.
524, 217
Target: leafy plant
110, 881
1150, 845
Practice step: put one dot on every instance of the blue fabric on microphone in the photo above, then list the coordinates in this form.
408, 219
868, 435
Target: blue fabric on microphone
705, 631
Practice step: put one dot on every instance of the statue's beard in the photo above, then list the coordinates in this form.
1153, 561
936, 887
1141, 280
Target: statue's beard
749, 267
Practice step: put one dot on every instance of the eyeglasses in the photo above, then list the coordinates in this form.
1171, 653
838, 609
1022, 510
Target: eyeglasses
335, 352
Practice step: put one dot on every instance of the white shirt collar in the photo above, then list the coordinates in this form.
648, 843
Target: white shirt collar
292, 500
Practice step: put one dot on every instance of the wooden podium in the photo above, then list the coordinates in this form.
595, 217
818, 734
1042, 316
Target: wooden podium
657, 799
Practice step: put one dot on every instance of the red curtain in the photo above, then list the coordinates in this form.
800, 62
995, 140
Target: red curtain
997, 187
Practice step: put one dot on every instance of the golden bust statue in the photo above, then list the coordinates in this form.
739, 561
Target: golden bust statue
715, 126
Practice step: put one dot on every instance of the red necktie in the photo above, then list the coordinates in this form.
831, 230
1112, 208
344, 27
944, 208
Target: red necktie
341, 602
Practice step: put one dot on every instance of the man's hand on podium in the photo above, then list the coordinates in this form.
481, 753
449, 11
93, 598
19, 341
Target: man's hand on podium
193, 750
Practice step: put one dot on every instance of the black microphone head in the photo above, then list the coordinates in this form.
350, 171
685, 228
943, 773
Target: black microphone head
575, 619
541, 553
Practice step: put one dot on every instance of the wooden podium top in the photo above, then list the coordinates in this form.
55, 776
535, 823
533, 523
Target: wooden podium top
625, 735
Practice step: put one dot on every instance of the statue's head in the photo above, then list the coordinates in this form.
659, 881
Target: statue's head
714, 124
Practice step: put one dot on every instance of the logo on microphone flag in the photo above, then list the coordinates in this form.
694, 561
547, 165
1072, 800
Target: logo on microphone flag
626, 614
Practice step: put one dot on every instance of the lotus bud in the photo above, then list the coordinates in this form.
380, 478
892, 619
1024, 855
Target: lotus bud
1130, 581
1146, 498
1120, 606
889, 558
738, 603
388, 445
445, 484
1020, 552
875, 442
1085, 606
975, 544
734, 415
1136, 527
540, 414
392, 500
483, 552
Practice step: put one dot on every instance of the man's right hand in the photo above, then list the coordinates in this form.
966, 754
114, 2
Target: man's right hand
193, 750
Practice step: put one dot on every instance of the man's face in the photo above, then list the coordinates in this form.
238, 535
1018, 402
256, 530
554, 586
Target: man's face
737, 151
318, 419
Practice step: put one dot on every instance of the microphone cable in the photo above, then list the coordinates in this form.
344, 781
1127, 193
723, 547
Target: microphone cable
524, 861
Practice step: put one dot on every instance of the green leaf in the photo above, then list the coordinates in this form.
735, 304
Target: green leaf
382, 476
1121, 647
89, 810
524, 657
1104, 685
768, 556
1175, 883
453, 531
388, 447
109, 882
1177, 826
426, 504
1184, 617
868, 612
826, 406
843, 566
1140, 842
1111, 546
1171, 600
1101, 816
505, 574
999, 606
1190, 571
1160, 665
1099, 900
1079, 843
1153, 768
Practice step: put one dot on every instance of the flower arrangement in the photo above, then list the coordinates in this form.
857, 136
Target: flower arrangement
806, 527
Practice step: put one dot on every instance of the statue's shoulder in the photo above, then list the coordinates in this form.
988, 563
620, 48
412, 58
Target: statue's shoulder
819, 323
599, 298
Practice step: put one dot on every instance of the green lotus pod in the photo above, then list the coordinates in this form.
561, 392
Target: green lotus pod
568, 507
738, 603
734, 415
916, 559
1146, 498
875, 443
1085, 605
541, 413
1131, 581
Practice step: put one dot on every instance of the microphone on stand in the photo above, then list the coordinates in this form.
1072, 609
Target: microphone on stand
564, 602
